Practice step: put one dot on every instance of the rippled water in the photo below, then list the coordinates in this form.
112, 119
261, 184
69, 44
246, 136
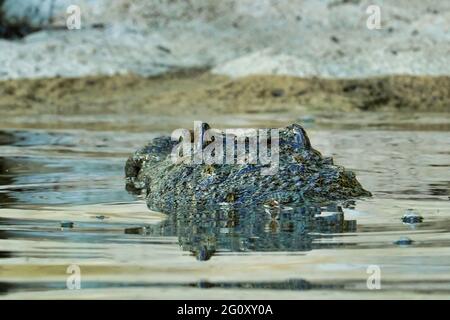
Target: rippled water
51, 179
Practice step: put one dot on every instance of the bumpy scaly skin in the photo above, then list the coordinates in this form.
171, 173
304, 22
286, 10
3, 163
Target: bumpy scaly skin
303, 176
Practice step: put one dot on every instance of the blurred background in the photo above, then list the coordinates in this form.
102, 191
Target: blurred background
325, 38
215, 57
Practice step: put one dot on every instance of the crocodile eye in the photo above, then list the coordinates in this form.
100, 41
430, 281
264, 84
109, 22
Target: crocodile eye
301, 138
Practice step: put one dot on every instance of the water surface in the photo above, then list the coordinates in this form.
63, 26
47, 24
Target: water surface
52, 178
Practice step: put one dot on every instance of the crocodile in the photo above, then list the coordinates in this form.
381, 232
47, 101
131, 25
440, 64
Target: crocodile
303, 175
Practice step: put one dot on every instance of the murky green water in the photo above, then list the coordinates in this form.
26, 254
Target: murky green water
49, 179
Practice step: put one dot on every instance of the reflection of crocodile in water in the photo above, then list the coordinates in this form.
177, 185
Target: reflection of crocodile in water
303, 175
229, 229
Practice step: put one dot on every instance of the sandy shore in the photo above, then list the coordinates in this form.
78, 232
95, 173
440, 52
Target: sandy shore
199, 92
87, 102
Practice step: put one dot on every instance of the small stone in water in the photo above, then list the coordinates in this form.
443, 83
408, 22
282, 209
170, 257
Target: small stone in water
67, 224
135, 230
411, 217
403, 241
